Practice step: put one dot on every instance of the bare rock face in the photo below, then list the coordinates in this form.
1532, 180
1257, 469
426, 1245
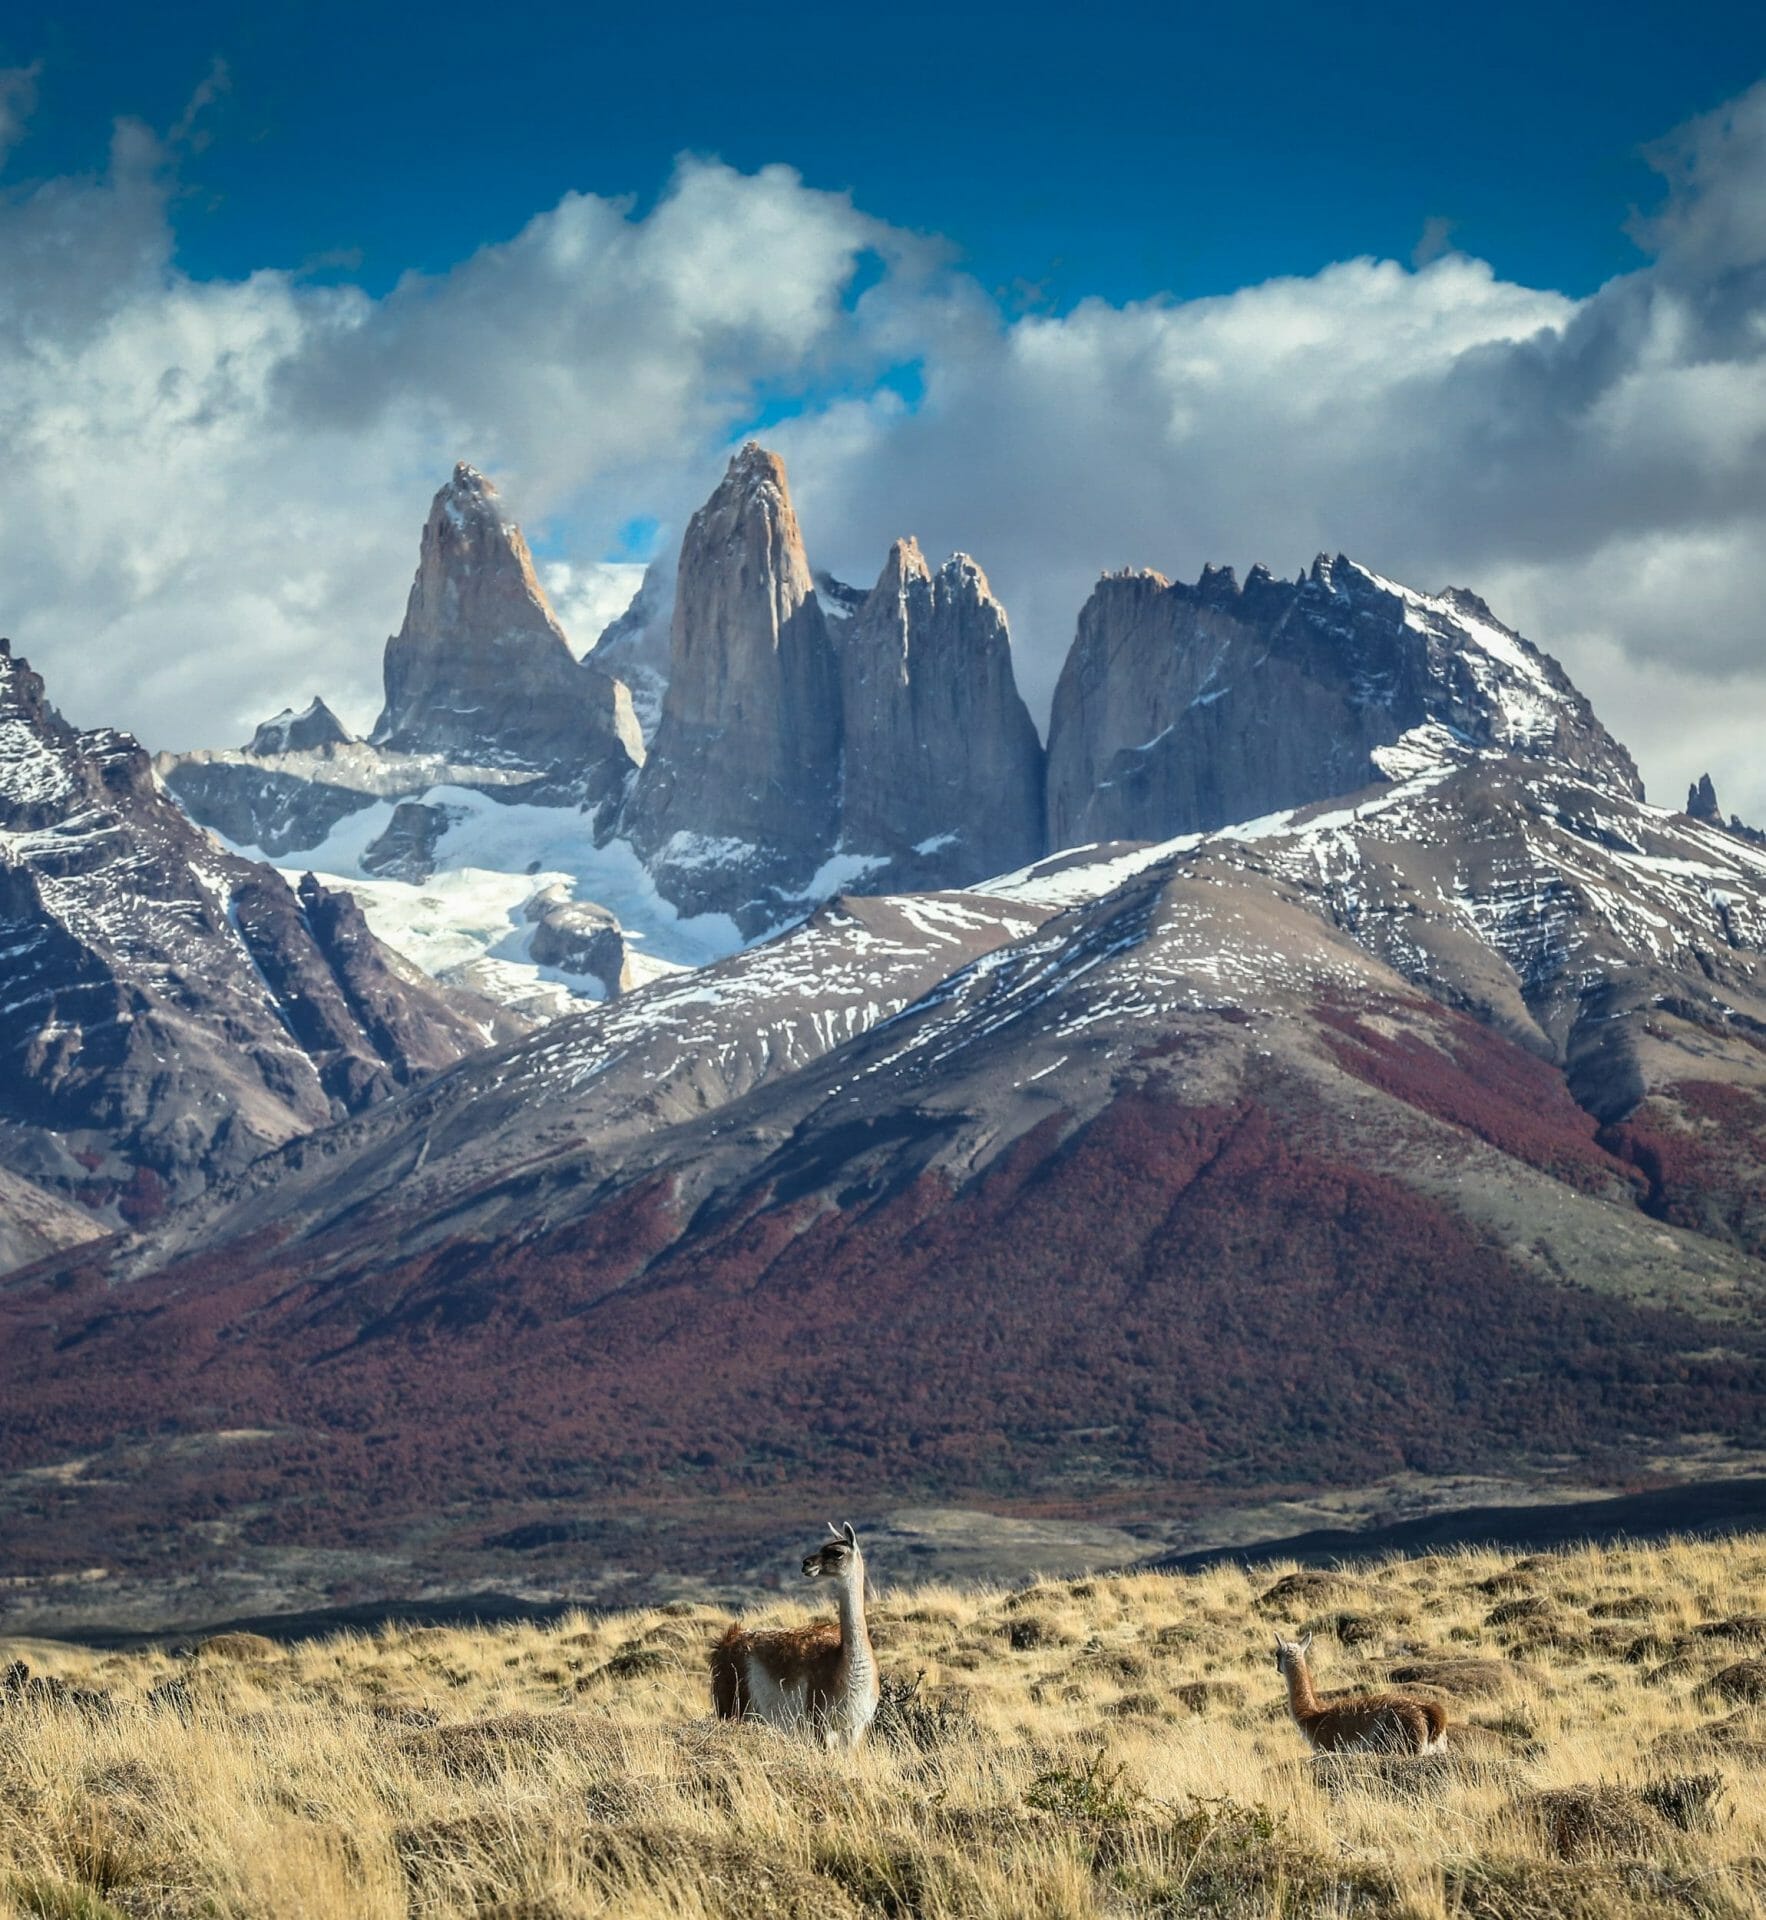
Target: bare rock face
634, 648
406, 850
1701, 805
480, 671
1184, 708
581, 938
943, 767
172, 1011
312, 730
737, 803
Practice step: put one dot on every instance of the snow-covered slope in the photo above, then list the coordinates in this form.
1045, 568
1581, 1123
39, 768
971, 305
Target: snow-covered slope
469, 921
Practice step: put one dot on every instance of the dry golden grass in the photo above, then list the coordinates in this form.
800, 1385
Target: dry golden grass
1110, 1746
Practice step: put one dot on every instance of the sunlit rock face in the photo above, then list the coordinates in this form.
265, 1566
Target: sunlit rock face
480, 671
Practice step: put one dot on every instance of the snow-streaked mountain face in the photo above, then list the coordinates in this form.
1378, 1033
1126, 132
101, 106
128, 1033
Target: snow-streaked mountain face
1239, 1160
168, 1011
586, 1089
1183, 708
1570, 915
1483, 915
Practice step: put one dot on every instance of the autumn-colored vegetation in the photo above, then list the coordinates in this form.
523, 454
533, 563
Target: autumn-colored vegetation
1466, 1075
1700, 1146
1169, 1297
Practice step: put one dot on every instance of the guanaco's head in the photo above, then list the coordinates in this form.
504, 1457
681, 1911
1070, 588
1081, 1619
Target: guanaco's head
1290, 1654
835, 1558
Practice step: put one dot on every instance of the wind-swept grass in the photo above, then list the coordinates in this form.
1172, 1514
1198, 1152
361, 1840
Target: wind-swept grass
1108, 1746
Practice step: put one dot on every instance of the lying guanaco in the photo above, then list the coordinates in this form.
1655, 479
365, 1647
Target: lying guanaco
1366, 1723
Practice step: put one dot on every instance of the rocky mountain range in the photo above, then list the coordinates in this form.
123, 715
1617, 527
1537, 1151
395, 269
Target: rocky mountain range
1320, 1067
801, 736
168, 1011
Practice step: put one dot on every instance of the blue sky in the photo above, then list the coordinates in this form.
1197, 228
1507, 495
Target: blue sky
1477, 297
1113, 150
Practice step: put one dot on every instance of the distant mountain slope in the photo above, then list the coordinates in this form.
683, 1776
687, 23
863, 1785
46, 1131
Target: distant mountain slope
1249, 1162
169, 1011
588, 1090
34, 1223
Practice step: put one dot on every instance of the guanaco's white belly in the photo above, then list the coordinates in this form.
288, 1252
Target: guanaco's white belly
781, 1703
787, 1703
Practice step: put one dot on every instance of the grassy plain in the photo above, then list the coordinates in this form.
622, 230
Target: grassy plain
1113, 1745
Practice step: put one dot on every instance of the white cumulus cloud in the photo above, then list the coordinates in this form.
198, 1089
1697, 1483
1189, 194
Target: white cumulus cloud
210, 491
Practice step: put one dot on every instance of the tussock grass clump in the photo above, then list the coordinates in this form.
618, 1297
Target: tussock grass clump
1745, 1681
1109, 1747
1463, 1677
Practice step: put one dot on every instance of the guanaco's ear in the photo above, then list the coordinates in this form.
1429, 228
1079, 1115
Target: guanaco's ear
847, 1534
834, 1530
1306, 1644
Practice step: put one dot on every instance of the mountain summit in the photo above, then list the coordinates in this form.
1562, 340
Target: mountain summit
311, 730
480, 671
738, 799
1184, 708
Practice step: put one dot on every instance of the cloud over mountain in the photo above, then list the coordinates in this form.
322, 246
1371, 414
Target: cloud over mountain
208, 489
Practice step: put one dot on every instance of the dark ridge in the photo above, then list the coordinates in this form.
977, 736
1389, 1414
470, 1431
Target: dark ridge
1709, 1508
490, 1609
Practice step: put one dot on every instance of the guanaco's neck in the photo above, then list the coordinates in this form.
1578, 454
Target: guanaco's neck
849, 1604
1301, 1698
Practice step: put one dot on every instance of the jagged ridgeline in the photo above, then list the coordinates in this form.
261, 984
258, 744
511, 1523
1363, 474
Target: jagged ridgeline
807, 736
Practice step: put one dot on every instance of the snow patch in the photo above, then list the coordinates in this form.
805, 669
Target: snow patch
467, 924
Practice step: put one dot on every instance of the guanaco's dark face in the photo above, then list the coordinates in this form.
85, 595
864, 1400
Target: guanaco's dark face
833, 1558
